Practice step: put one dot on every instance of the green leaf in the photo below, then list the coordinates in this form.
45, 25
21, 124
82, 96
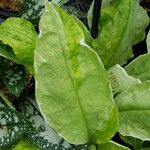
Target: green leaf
32, 10
148, 41
134, 107
24, 145
44, 136
134, 142
77, 101
111, 146
59, 2
88, 38
20, 35
140, 67
7, 52
120, 80
122, 25
14, 79
13, 125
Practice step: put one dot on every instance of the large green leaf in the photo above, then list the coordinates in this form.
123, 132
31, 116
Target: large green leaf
122, 25
120, 80
111, 146
134, 108
13, 125
140, 67
44, 136
20, 35
71, 84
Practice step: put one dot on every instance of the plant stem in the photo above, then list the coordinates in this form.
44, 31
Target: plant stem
96, 17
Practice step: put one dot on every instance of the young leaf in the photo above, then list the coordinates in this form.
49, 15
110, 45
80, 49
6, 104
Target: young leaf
120, 80
77, 101
44, 136
122, 25
134, 107
112, 146
13, 125
20, 35
140, 67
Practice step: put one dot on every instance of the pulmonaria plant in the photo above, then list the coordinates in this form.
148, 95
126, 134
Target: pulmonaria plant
83, 96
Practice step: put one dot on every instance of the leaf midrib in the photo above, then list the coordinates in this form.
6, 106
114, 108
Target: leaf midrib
68, 68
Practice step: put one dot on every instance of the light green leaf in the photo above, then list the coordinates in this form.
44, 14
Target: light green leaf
24, 145
111, 146
13, 125
120, 21
44, 136
20, 35
120, 80
134, 108
87, 34
77, 101
148, 41
140, 67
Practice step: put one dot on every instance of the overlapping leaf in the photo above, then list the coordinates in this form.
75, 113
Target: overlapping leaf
12, 125
122, 25
77, 101
140, 67
14, 79
20, 35
44, 136
120, 80
112, 146
134, 108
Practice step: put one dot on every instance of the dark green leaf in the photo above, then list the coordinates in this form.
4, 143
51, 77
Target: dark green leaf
13, 125
14, 79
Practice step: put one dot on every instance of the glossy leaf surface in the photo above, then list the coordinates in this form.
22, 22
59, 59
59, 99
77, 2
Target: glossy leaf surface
77, 101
